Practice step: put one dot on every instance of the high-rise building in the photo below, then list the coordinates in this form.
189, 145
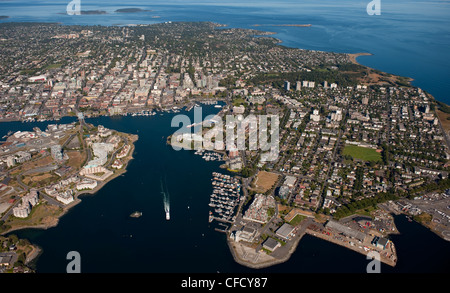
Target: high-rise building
56, 152
287, 85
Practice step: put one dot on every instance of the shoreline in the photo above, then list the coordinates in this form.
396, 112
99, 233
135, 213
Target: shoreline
354, 56
353, 59
292, 25
55, 220
272, 261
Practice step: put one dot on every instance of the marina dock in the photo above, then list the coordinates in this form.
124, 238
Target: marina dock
224, 199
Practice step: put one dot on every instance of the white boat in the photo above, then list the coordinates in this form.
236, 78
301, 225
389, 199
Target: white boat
167, 215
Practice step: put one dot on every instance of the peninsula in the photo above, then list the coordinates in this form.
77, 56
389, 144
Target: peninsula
48, 170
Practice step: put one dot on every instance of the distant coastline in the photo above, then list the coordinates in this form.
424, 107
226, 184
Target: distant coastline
4, 16
295, 25
88, 12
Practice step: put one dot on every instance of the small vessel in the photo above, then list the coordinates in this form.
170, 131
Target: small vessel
136, 214
210, 217
167, 215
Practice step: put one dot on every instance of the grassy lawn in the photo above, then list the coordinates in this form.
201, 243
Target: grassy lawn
239, 101
296, 220
41, 214
54, 66
76, 159
361, 153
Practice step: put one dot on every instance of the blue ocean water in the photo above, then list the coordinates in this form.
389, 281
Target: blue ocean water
409, 38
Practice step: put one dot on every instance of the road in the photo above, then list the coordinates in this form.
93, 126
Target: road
332, 160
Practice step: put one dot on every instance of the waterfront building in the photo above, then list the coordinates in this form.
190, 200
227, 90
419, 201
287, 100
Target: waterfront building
346, 231
117, 164
271, 244
86, 183
246, 233
65, 197
285, 231
124, 152
96, 172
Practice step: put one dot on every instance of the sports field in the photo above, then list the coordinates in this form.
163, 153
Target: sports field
361, 153
265, 180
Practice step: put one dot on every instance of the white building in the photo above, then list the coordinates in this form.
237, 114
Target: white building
315, 116
24, 208
87, 184
239, 110
100, 151
65, 197
22, 211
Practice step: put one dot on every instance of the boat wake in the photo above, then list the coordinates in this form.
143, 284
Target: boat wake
166, 198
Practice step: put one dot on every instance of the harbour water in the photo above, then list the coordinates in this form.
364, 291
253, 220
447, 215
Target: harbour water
109, 240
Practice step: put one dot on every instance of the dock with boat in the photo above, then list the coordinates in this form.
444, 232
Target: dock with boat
224, 199
209, 155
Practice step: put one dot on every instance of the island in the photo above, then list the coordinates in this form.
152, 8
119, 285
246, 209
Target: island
93, 12
130, 10
356, 145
